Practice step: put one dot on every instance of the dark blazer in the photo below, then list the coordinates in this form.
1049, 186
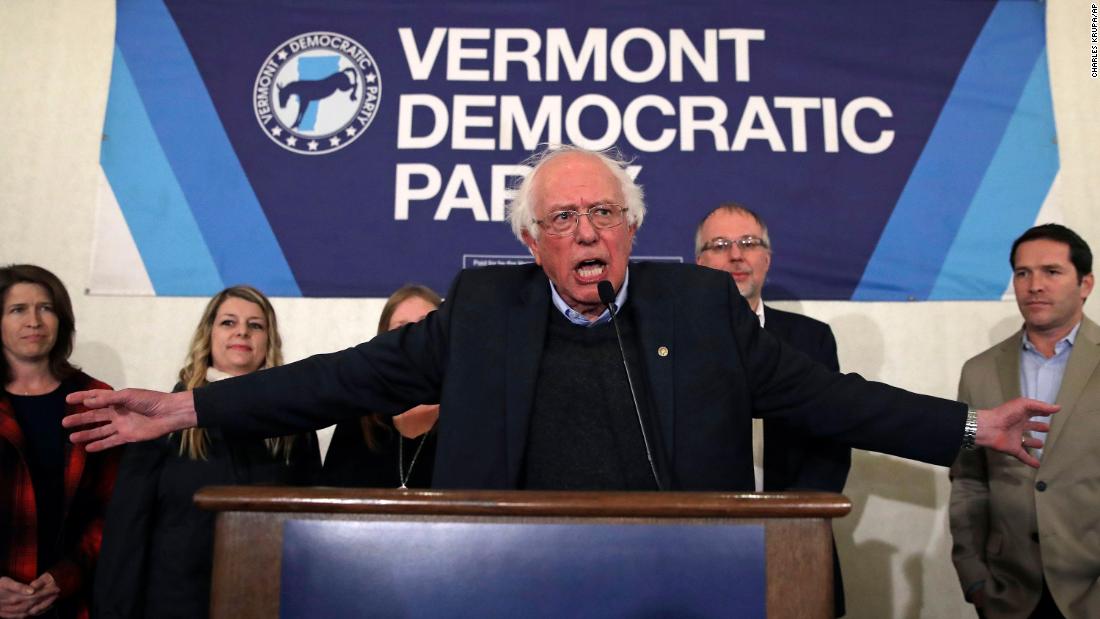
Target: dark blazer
158, 546
794, 460
708, 364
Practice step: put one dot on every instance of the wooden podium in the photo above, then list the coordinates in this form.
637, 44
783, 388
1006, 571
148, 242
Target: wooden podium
248, 550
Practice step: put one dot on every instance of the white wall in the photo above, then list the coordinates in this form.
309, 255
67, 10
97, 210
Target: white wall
54, 66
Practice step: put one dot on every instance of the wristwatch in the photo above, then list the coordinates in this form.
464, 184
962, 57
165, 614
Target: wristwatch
970, 430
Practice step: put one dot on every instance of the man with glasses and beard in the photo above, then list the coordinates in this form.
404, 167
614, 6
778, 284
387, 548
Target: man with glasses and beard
735, 239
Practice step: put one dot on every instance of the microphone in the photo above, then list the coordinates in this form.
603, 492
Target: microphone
607, 297
607, 294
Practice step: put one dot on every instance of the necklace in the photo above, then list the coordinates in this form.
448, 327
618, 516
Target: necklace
32, 388
401, 475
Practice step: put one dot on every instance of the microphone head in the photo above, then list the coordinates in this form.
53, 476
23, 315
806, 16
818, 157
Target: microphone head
607, 292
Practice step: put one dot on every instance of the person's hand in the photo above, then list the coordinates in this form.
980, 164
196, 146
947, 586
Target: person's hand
45, 594
16, 598
127, 416
1005, 428
417, 420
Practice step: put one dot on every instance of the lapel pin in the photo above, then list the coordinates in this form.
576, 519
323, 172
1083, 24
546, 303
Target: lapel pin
662, 351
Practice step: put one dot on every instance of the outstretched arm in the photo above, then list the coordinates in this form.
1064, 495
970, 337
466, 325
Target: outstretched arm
1005, 428
127, 416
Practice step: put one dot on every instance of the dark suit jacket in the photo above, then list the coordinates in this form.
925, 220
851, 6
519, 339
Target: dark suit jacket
158, 546
478, 356
792, 459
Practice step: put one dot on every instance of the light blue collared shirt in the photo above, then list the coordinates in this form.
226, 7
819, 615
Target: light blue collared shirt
578, 318
1041, 378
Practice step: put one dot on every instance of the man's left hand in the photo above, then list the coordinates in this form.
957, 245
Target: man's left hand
417, 420
1006, 427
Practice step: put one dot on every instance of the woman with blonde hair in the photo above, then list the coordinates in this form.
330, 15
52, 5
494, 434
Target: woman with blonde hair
158, 547
377, 451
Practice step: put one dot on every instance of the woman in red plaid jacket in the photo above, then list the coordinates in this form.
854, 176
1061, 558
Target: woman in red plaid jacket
52, 495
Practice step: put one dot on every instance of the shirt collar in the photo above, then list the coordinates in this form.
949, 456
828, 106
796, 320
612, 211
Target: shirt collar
1059, 346
581, 320
760, 313
213, 375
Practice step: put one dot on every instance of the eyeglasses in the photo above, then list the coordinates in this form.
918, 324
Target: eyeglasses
602, 215
745, 243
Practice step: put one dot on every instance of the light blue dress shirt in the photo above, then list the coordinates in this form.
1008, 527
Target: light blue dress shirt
1041, 378
580, 319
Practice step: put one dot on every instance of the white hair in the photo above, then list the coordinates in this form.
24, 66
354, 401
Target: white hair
522, 213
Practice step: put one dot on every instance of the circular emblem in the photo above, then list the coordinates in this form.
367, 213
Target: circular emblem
317, 92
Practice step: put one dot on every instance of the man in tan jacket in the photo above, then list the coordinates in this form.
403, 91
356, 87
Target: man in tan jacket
1027, 541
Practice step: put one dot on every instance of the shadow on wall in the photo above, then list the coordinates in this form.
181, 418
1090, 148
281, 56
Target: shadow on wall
100, 361
876, 486
865, 355
892, 501
1003, 329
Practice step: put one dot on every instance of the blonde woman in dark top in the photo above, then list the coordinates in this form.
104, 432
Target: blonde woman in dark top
157, 551
377, 451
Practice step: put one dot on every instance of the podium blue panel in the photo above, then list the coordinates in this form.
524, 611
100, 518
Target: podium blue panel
451, 569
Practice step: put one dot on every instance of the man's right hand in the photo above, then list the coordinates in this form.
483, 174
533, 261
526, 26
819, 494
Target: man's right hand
127, 416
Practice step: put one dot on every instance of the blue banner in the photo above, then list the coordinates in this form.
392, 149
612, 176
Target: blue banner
499, 570
339, 148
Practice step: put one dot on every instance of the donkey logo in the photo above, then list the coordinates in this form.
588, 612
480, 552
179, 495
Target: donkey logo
309, 91
318, 68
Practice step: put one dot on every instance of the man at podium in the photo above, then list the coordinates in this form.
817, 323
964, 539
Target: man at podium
549, 382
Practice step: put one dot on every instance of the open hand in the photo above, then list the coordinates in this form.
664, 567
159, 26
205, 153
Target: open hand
126, 416
1005, 428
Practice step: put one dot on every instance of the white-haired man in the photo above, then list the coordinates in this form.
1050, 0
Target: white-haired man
532, 388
